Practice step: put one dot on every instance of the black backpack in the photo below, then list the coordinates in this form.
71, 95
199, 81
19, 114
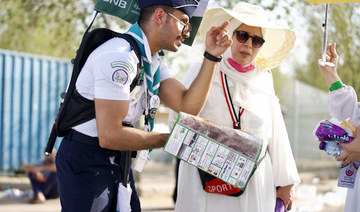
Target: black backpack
75, 109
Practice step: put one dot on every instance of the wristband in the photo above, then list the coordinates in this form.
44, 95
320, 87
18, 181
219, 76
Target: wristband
212, 57
336, 85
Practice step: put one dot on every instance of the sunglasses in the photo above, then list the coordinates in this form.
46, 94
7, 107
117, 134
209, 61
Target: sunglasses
243, 36
187, 27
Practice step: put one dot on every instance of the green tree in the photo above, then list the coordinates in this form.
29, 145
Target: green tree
49, 27
343, 29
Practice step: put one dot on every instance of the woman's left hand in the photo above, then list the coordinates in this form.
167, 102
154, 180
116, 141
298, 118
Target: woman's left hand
351, 152
286, 194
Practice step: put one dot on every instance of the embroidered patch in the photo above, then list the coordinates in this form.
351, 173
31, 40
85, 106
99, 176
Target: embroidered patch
120, 76
122, 73
123, 65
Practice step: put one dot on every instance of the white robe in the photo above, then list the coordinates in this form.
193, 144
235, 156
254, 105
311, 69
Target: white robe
278, 167
343, 103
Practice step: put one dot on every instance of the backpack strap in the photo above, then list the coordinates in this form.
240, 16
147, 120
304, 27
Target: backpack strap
136, 49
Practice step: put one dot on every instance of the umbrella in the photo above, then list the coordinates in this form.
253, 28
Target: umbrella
324, 43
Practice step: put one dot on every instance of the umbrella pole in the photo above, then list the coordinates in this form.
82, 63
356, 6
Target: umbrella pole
324, 44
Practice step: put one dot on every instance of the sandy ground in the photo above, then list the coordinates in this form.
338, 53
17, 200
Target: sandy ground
317, 192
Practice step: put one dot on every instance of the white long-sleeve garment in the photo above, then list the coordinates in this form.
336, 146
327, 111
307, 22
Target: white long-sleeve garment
262, 117
343, 104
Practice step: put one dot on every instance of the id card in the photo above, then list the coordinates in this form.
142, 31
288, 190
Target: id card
347, 174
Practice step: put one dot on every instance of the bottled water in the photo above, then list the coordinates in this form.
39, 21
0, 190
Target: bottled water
332, 148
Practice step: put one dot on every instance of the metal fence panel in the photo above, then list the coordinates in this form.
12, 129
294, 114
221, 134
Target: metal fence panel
29, 99
304, 107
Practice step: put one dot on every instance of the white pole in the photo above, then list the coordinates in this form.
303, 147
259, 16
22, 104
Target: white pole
324, 44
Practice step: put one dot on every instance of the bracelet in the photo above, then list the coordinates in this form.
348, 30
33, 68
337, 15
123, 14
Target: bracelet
336, 85
212, 57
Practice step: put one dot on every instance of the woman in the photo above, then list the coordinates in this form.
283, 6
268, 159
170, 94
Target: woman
343, 104
244, 72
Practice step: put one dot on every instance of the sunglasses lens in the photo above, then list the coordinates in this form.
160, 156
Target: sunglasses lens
242, 36
257, 41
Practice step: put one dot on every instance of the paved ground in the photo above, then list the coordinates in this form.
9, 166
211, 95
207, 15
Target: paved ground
317, 192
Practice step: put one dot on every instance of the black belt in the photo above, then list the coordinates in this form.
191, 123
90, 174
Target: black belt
74, 135
80, 137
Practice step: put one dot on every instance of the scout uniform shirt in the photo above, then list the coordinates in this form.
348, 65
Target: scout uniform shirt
108, 73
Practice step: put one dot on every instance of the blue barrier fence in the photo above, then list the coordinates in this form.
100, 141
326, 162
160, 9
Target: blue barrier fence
29, 99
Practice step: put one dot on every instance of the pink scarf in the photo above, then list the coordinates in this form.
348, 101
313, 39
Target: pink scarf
240, 68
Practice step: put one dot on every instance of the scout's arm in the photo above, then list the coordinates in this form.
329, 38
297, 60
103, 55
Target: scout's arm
113, 135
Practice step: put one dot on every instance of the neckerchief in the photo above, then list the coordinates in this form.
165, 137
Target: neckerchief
152, 81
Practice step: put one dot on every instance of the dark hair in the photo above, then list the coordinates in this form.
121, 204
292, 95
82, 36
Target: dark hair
147, 12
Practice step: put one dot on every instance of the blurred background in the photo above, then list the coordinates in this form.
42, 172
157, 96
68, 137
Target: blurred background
38, 39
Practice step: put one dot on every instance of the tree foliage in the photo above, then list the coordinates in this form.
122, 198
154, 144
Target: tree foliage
343, 29
48, 27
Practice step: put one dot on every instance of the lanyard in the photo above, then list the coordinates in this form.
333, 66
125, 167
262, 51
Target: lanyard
235, 119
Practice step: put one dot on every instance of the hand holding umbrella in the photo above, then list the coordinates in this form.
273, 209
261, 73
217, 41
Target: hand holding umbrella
329, 71
322, 61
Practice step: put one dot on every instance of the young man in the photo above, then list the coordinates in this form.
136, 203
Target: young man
89, 161
42, 175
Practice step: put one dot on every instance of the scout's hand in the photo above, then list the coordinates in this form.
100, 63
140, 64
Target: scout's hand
218, 40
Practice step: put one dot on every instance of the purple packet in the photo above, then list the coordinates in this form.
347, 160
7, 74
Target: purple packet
327, 131
279, 207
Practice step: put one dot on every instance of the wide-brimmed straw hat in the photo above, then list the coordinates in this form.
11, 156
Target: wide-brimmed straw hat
278, 40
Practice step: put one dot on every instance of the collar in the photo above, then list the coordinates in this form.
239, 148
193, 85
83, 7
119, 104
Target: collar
135, 31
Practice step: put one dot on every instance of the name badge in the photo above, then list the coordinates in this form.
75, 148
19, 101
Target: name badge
347, 174
154, 101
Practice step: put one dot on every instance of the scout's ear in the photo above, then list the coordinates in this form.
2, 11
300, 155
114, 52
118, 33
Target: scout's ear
160, 16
